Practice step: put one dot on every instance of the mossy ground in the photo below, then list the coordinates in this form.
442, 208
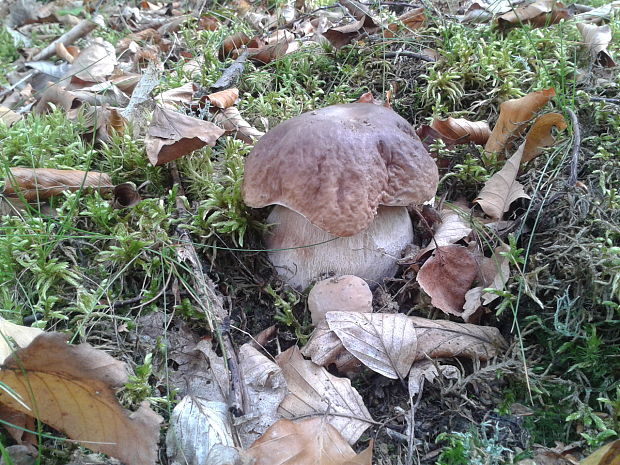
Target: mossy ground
74, 269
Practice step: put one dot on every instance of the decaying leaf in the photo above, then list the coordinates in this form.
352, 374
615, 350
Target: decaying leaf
182, 95
265, 387
428, 370
540, 135
513, 114
344, 35
539, 14
451, 229
172, 135
125, 195
103, 121
233, 43
71, 388
233, 122
196, 425
385, 343
58, 96
8, 116
325, 349
268, 52
95, 63
442, 339
597, 39
502, 189
313, 441
446, 276
313, 391
609, 454
43, 183
463, 130
13, 336
225, 98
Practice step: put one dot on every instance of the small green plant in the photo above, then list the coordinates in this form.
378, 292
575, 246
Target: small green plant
285, 301
474, 447
137, 387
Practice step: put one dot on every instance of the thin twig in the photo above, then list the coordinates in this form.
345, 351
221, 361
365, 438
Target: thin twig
606, 100
408, 54
572, 180
231, 75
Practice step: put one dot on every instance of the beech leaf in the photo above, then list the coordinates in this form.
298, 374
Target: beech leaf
385, 343
71, 388
463, 130
232, 121
313, 391
502, 189
451, 229
513, 114
172, 135
540, 135
446, 277
43, 183
312, 441
538, 14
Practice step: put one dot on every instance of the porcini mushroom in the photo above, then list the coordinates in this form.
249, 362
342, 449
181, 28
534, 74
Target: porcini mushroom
340, 178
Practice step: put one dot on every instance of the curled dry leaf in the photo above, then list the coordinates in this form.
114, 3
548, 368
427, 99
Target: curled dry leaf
43, 183
344, 35
172, 135
8, 116
428, 370
385, 343
182, 95
597, 39
224, 98
307, 442
325, 349
513, 114
268, 52
58, 96
463, 130
233, 122
539, 14
540, 135
313, 391
233, 43
447, 276
502, 189
125, 196
452, 228
71, 388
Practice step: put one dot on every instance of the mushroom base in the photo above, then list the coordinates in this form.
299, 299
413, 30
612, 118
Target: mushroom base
371, 254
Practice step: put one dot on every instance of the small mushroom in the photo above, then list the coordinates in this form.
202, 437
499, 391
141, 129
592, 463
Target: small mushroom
340, 178
340, 294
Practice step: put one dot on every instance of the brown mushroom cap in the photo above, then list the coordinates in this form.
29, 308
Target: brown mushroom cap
336, 165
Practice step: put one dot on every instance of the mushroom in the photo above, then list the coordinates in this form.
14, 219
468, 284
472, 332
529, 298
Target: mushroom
340, 178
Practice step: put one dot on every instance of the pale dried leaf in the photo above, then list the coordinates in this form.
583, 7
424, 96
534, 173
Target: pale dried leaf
539, 14
463, 130
313, 391
308, 442
233, 122
502, 189
265, 387
8, 116
95, 63
172, 98
172, 135
513, 114
196, 426
43, 183
428, 370
597, 39
13, 336
442, 339
385, 343
451, 229
71, 388
224, 98
447, 276
325, 348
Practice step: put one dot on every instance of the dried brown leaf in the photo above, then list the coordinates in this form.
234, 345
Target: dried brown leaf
313, 391
43, 183
513, 114
428, 370
502, 189
8, 116
95, 63
58, 96
224, 98
344, 35
268, 52
609, 454
385, 343
172, 135
325, 349
540, 135
71, 388
597, 39
538, 14
233, 43
308, 442
447, 276
463, 130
